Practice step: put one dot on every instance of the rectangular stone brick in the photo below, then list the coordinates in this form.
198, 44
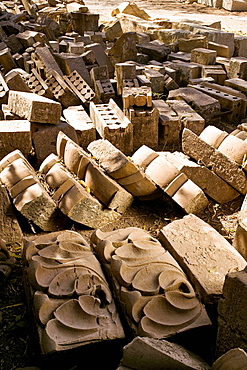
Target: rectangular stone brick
204, 254
112, 124
78, 118
15, 135
34, 108
189, 117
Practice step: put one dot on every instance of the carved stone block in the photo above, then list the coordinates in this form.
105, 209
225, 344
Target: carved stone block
113, 125
102, 84
212, 158
61, 91
169, 127
29, 196
123, 170
204, 254
37, 85
34, 108
48, 61
212, 185
82, 22
70, 299
153, 291
80, 88
174, 183
203, 56
77, 117
126, 76
206, 106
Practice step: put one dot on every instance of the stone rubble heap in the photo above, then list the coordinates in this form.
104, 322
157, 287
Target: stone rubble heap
93, 116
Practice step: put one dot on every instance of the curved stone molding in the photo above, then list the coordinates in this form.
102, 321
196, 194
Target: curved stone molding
105, 189
73, 195
155, 294
167, 176
123, 170
29, 196
233, 147
69, 295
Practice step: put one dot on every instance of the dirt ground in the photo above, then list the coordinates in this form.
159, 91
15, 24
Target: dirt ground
17, 347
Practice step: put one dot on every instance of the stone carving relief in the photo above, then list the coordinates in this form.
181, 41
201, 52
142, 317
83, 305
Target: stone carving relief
154, 292
70, 298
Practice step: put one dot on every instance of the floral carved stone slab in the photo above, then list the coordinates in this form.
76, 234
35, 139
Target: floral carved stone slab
155, 294
70, 298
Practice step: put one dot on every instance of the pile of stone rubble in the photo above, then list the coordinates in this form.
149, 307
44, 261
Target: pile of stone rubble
93, 116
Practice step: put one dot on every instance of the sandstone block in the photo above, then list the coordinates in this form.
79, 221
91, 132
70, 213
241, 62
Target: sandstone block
112, 124
232, 330
6, 60
188, 116
207, 107
79, 120
240, 42
222, 50
15, 134
188, 44
101, 57
124, 48
218, 162
216, 72
64, 301
238, 84
82, 22
29, 196
238, 68
156, 51
139, 266
204, 254
152, 354
174, 183
231, 360
10, 228
44, 138
170, 126
48, 61
203, 56
130, 8
215, 187
34, 108
123, 170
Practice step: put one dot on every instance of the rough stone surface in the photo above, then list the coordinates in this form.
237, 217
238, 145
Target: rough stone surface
34, 108
152, 354
203, 253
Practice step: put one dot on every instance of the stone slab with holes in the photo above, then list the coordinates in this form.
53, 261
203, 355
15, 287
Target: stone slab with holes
80, 88
112, 124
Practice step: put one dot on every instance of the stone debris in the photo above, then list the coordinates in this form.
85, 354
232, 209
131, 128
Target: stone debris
154, 293
70, 299
93, 115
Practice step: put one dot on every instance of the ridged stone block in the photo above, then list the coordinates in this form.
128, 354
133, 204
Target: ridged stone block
70, 299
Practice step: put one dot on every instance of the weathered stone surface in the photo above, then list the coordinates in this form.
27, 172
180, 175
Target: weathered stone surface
170, 126
124, 48
106, 190
48, 61
215, 187
112, 124
123, 170
130, 8
9, 226
101, 57
189, 118
29, 196
204, 254
152, 354
232, 360
77, 117
203, 104
15, 134
210, 157
57, 267
232, 329
34, 108
203, 56
158, 51
143, 273
44, 138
